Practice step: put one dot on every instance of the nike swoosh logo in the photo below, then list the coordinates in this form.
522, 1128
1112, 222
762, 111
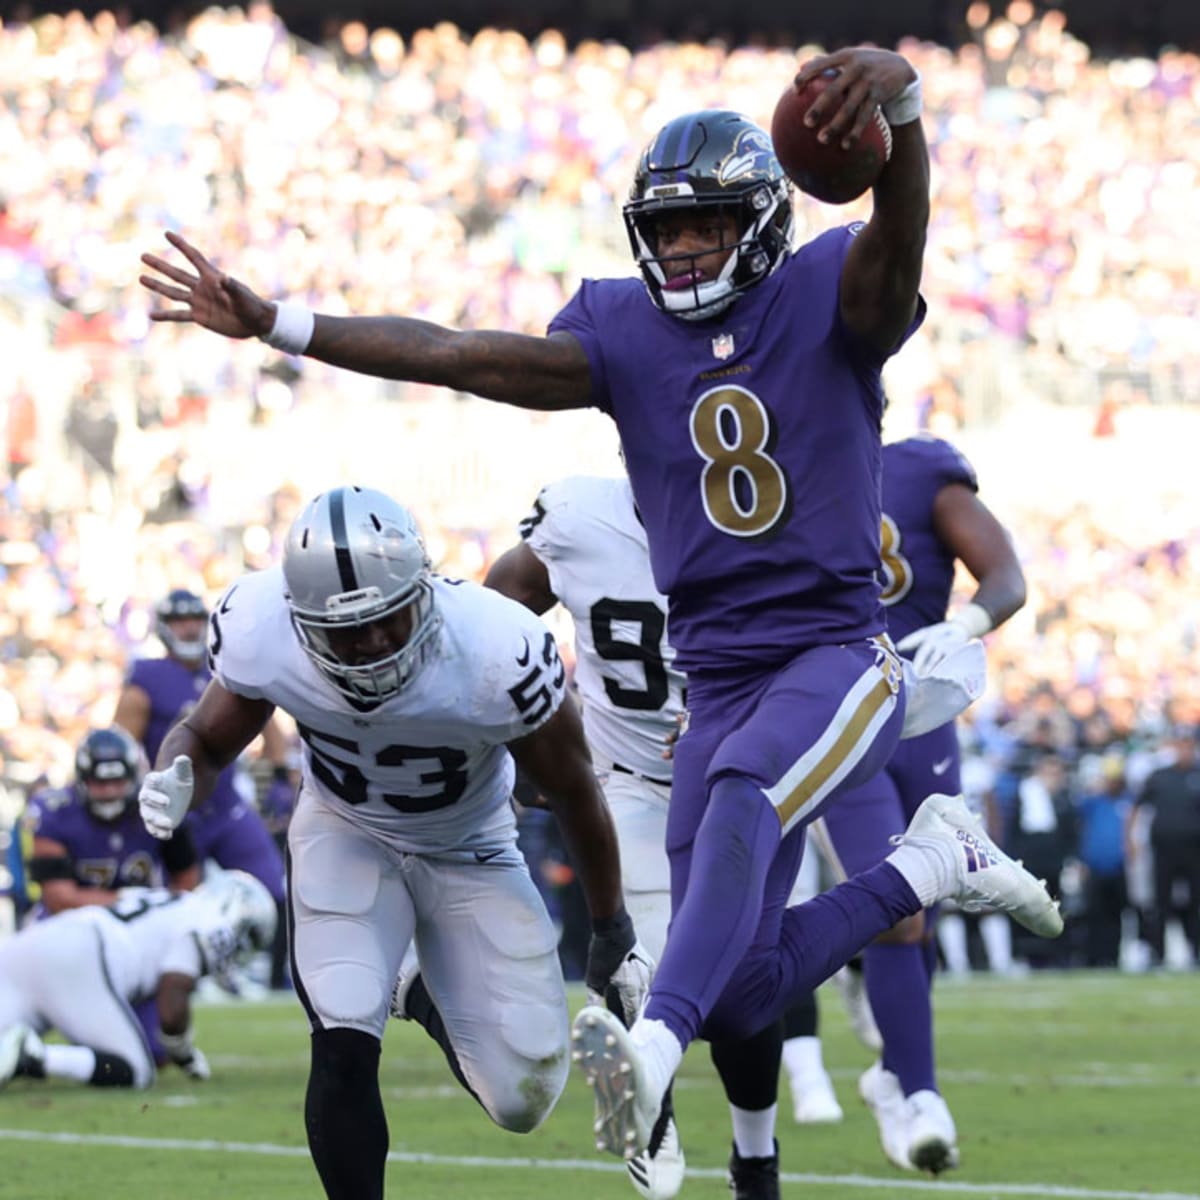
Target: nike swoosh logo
940, 768
523, 659
483, 856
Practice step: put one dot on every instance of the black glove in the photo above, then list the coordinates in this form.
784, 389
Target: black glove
618, 968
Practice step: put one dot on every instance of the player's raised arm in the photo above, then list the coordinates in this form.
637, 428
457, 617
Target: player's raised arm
882, 271
530, 372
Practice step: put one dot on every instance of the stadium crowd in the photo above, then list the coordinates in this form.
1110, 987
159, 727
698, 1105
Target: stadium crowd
477, 179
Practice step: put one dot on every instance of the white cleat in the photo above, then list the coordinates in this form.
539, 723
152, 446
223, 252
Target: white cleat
626, 1104
987, 879
883, 1095
657, 1173
932, 1138
814, 1101
853, 990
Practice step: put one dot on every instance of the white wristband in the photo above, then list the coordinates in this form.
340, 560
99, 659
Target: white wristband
974, 618
293, 328
907, 106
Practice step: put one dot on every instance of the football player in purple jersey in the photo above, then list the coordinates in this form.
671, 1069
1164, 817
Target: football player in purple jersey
932, 519
157, 692
744, 378
88, 841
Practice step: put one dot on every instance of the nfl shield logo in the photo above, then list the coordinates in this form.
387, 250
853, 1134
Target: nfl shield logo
723, 345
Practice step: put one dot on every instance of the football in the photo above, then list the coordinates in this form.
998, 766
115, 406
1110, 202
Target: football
825, 170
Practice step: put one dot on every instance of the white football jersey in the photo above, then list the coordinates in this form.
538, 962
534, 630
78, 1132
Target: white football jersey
150, 932
427, 770
586, 531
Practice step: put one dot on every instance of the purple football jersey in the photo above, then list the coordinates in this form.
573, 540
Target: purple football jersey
752, 441
226, 827
104, 854
173, 690
918, 568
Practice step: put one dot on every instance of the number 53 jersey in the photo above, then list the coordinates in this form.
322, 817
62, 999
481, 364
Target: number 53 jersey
586, 532
426, 771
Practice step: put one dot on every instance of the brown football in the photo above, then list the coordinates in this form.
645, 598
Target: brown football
823, 169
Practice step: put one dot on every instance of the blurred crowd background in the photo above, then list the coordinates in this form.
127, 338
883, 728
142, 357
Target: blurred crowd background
473, 179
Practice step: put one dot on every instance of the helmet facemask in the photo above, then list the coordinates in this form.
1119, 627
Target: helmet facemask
354, 558
704, 162
108, 757
182, 605
373, 682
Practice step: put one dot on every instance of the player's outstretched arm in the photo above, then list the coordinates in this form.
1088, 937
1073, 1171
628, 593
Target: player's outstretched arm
882, 272
531, 372
521, 576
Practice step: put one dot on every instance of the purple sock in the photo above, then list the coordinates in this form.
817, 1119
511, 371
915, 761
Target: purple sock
714, 925
898, 988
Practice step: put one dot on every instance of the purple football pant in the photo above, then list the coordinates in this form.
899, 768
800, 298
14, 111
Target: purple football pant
859, 827
764, 753
236, 838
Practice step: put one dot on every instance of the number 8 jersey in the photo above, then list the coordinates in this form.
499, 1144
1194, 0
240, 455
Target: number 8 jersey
752, 442
427, 770
587, 533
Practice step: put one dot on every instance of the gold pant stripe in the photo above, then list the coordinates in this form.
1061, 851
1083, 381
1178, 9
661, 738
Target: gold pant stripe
815, 780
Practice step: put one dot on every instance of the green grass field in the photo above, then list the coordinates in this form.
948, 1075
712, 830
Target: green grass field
1075, 1085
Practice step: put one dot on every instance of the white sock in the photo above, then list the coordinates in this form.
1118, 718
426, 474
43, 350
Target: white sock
802, 1057
70, 1062
996, 931
660, 1050
928, 865
952, 937
754, 1132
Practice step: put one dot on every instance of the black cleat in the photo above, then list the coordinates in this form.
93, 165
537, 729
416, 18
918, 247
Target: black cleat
754, 1178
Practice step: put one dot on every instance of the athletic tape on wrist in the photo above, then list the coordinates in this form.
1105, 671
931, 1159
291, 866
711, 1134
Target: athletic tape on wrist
293, 328
907, 106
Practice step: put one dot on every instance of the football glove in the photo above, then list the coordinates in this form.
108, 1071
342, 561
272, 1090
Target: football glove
932, 643
184, 1055
619, 969
165, 796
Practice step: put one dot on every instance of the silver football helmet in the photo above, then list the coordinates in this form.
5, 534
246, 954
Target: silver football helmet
355, 557
247, 910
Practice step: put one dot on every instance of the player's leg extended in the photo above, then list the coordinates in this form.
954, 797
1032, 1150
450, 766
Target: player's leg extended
352, 918
489, 961
831, 716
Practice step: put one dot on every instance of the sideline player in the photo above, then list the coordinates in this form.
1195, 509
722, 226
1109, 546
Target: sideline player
409, 692
745, 382
80, 972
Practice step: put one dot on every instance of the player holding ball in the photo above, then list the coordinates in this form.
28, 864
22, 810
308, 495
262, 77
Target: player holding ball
744, 378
